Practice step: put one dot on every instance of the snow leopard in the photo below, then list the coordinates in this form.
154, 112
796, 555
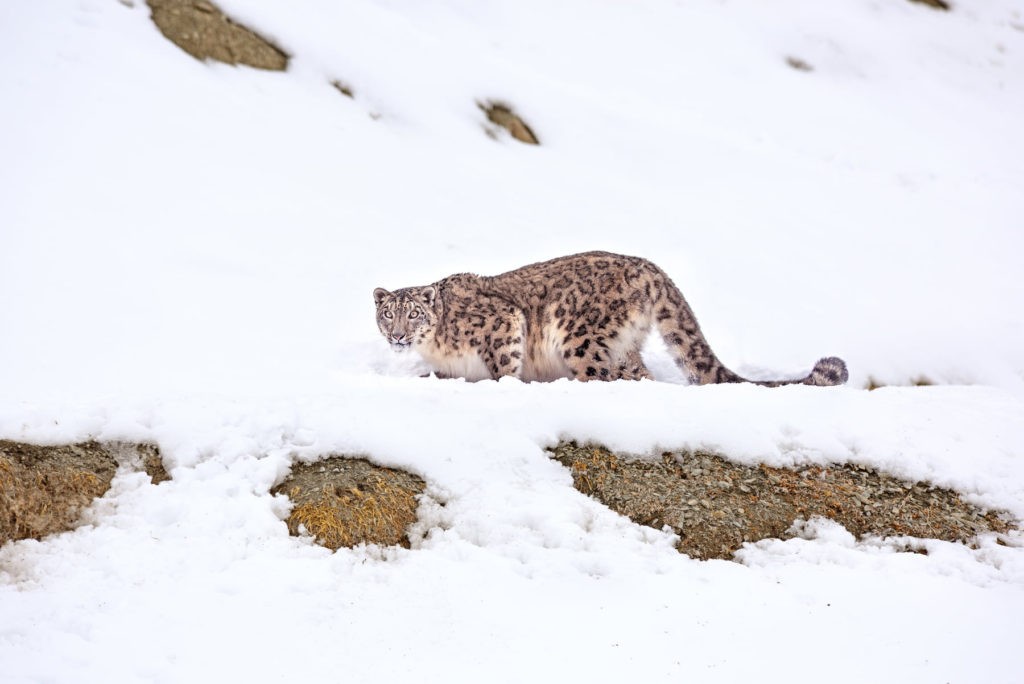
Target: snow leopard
584, 317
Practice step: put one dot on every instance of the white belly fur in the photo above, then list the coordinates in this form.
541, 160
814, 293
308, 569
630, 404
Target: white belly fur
544, 365
469, 366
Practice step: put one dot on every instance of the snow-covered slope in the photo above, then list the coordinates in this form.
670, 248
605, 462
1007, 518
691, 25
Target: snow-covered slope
188, 250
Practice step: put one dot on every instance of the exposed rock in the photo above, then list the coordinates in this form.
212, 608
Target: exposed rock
344, 89
502, 115
153, 463
935, 4
715, 505
202, 30
343, 501
798, 64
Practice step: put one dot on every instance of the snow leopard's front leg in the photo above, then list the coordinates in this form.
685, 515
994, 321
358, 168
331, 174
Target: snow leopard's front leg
504, 343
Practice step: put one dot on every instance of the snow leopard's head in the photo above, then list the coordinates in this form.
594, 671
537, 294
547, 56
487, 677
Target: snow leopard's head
407, 316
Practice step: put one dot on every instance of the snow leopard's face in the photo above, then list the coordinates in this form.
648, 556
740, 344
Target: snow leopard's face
405, 317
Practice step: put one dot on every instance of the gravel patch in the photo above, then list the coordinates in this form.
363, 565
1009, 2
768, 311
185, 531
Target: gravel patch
202, 30
715, 505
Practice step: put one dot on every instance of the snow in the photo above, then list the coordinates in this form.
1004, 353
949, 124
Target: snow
188, 251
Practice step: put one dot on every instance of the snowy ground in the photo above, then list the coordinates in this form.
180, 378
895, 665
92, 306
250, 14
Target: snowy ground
188, 250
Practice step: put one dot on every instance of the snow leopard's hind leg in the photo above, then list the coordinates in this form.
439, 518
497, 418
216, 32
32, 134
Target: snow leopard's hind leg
632, 367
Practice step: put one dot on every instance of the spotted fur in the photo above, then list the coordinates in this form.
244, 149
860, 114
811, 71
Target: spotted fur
584, 316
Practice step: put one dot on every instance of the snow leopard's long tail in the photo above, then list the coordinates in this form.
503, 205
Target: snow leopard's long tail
828, 371
692, 353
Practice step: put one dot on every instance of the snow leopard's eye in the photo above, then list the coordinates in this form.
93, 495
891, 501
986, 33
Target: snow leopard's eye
414, 313
388, 315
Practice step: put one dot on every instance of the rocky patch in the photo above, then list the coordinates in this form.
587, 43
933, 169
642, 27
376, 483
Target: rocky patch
502, 116
715, 505
935, 4
202, 30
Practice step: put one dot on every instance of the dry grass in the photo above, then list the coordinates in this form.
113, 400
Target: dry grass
44, 488
715, 505
202, 30
919, 381
502, 115
343, 502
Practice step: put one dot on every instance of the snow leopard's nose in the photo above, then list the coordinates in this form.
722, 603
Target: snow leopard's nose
400, 341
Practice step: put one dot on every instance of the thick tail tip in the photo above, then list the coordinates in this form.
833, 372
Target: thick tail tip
829, 371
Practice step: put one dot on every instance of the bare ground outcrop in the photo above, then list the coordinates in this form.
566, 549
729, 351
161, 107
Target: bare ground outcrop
715, 505
202, 30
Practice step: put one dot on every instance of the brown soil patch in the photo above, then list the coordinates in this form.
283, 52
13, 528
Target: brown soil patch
501, 114
348, 501
43, 488
715, 505
200, 28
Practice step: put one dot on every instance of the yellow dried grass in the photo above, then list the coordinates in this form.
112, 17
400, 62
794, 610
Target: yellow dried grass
37, 502
352, 504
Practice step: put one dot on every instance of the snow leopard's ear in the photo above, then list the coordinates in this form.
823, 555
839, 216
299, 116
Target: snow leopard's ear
428, 294
380, 294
